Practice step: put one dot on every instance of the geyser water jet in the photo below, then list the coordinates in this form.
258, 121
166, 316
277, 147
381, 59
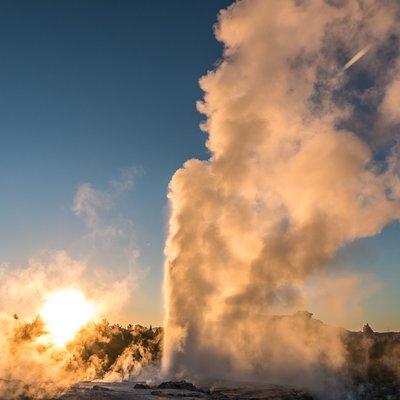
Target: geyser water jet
293, 177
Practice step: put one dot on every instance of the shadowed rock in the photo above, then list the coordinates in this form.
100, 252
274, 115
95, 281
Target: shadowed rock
181, 385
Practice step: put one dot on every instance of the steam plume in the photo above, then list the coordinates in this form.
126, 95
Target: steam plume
293, 177
32, 364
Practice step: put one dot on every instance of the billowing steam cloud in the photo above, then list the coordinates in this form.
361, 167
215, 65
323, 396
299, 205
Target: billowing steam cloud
304, 159
32, 364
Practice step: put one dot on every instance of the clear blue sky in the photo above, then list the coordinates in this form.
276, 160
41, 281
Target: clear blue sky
86, 92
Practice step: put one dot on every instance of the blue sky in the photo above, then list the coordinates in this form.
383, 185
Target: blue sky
88, 92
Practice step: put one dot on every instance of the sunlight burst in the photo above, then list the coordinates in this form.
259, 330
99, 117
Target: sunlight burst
64, 313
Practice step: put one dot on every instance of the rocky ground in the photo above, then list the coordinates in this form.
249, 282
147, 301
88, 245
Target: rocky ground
178, 391
111, 352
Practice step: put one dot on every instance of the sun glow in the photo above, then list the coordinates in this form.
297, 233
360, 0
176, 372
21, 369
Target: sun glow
64, 313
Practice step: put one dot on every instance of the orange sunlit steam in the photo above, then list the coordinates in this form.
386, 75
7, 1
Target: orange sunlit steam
64, 313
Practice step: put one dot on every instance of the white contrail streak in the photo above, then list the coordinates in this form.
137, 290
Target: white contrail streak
356, 57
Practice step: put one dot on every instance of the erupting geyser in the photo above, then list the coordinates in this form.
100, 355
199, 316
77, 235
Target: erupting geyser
296, 172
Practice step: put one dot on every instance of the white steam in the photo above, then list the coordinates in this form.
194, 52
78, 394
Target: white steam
297, 171
37, 335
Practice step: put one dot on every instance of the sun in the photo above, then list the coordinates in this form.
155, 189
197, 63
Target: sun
64, 313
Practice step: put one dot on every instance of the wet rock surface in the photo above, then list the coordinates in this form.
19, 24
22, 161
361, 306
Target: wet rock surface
178, 390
